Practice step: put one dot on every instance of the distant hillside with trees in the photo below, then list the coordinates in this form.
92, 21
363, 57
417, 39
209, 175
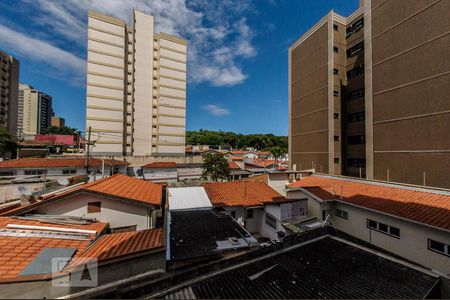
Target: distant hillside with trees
236, 140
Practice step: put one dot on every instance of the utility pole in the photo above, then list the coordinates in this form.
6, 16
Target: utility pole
88, 144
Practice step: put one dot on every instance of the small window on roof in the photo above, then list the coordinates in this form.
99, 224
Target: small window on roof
94, 207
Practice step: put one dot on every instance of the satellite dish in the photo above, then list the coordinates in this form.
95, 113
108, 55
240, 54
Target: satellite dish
63, 181
24, 191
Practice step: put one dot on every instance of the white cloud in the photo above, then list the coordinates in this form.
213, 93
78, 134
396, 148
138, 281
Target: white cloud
217, 41
63, 63
216, 110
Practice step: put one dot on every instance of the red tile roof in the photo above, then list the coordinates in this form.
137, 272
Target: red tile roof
420, 206
262, 178
17, 252
115, 245
121, 186
63, 162
160, 165
233, 165
241, 193
259, 163
237, 158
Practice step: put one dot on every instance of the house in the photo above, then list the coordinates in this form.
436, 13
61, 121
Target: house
196, 231
236, 172
160, 172
245, 154
27, 247
189, 171
256, 206
126, 203
412, 222
61, 166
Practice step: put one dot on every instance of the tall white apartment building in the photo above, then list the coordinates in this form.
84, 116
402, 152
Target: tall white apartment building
136, 88
34, 111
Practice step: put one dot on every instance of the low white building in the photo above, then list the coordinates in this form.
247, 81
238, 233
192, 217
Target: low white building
160, 172
409, 221
126, 203
256, 206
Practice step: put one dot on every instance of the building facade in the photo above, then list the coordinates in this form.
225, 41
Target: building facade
35, 111
136, 88
368, 99
9, 88
58, 121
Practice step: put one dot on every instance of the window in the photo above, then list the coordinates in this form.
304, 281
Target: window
356, 117
336, 116
336, 93
336, 160
355, 49
336, 49
35, 172
358, 70
271, 221
356, 162
10, 173
383, 228
336, 27
439, 247
335, 71
249, 213
94, 207
356, 140
355, 27
355, 94
336, 138
342, 214
72, 171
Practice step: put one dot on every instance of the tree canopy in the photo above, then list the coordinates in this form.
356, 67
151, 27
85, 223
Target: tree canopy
60, 130
236, 140
215, 168
7, 143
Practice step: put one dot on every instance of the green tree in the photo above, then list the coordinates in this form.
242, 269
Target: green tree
60, 130
7, 143
215, 167
277, 153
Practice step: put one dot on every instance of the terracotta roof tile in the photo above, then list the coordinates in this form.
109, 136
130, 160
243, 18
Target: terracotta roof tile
233, 165
118, 185
17, 252
67, 162
119, 244
420, 206
263, 178
237, 158
161, 165
241, 193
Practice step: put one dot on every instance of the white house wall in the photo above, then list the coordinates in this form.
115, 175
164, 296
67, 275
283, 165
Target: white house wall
116, 213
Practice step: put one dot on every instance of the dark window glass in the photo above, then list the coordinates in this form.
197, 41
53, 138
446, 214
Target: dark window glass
356, 140
336, 93
336, 49
335, 27
249, 213
355, 49
336, 160
336, 115
383, 227
394, 231
372, 224
356, 162
335, 71
356, 117
358, 70
271, 221
355, 94
437, 246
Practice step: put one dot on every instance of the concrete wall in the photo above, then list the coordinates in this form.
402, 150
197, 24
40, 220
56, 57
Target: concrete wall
113, 211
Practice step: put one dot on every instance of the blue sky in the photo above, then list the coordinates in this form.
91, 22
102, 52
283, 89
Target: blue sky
237, 64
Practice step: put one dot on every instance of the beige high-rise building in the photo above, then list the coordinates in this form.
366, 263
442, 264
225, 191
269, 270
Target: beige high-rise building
369, 93
136, 88
35, 111
9, 88
58, 121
